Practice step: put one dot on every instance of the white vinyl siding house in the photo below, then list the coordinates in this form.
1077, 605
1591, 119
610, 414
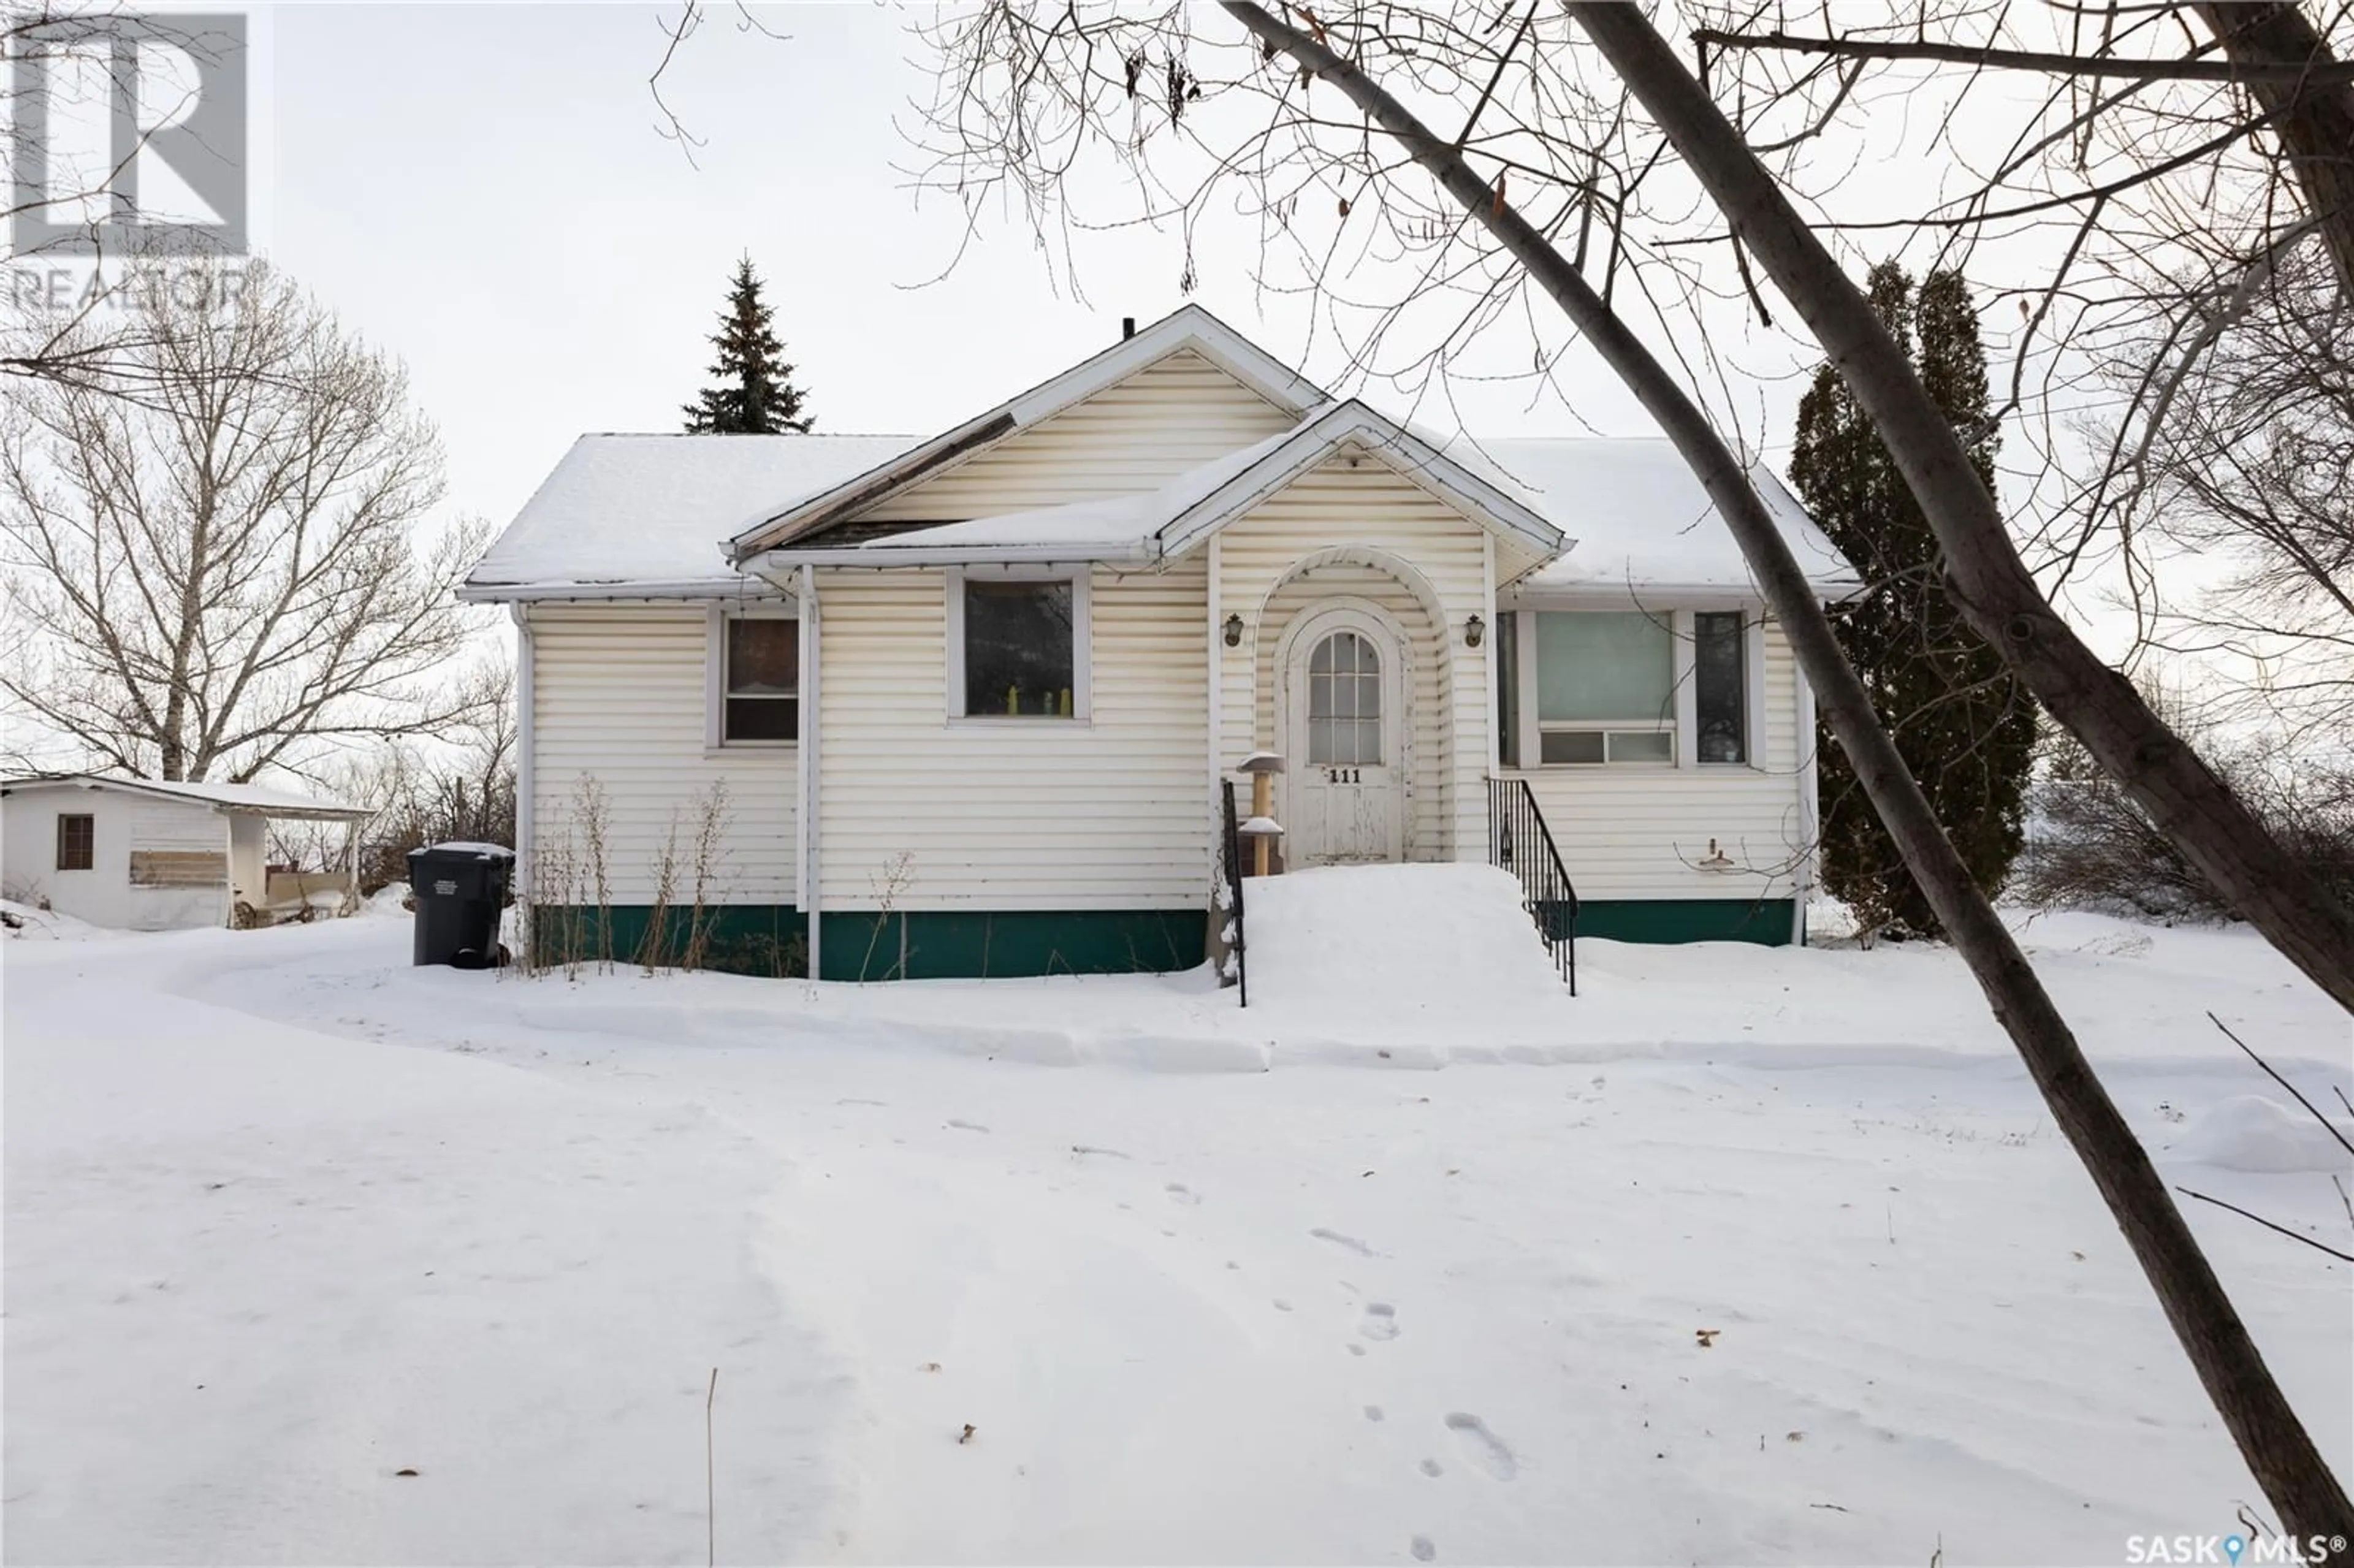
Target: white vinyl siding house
1026, 652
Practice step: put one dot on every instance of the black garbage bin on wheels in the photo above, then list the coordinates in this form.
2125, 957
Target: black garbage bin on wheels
460, 891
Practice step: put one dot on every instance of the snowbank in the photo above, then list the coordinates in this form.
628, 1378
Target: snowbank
1449, 944
26, 922
2255, 1132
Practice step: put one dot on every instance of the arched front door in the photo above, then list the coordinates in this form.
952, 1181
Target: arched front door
1346, 729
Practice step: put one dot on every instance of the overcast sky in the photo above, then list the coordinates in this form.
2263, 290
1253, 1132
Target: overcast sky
487, 192
493, 195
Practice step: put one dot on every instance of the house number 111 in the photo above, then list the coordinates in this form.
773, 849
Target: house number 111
1344, 775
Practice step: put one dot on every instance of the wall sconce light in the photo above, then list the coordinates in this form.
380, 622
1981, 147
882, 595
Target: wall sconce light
1474, 631
1234, 631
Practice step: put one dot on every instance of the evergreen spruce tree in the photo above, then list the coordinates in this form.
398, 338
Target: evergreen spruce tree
755, 396
1963, 723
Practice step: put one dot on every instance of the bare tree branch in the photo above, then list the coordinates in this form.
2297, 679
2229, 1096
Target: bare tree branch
2284, 1230
214, 580
2289, 71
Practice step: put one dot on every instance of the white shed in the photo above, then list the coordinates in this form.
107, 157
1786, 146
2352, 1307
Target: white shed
145, 854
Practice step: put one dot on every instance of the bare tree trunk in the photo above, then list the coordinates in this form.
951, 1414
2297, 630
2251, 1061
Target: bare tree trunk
2315, 120
2269, 887
2274, 1442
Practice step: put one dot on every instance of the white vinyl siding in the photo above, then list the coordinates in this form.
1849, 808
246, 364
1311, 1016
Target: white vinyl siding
1331, 508
1104, 813
1638, 833
1176, 414
622, 691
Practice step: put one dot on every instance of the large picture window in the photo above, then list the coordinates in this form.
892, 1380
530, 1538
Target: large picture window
760, 680
1020, 648
1605, 687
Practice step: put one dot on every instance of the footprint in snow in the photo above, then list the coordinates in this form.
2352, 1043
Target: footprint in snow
1422, 1549
1373, 1413
1431, 1467
1178, 1192
1281, 1305
967, 1126
1337, 1239
855, 1101
1487, 1450
1090, 1148
1381, 1321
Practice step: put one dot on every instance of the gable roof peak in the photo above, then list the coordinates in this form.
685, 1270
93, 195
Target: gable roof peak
1188, 326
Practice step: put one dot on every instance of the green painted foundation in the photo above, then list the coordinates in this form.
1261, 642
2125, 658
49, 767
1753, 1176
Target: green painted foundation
936, 945
766, 939
771, 939
1765, 921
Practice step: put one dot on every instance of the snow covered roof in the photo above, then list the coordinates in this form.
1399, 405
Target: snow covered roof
222, 797
640, 516
1166, 523
630, 516
1641, 518
1188, 327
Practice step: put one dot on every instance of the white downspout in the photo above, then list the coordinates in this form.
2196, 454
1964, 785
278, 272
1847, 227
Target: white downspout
1487, 650
1216, 710
807, 825
1810, 815
526, 729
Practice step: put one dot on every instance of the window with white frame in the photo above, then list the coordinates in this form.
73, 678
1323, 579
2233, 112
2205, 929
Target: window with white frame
1605, 687
758, 681
1721, 685
1019, 644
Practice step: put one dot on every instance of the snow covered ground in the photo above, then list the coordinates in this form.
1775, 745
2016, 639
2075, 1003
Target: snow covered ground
1743, 1255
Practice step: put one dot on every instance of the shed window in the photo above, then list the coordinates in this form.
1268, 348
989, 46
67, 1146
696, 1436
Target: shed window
1605, 687
1721, 685
77, 842
1021, 657
762, 681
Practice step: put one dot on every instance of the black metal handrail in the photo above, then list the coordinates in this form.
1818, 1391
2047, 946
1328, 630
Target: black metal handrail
1230, 856
1519, 840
